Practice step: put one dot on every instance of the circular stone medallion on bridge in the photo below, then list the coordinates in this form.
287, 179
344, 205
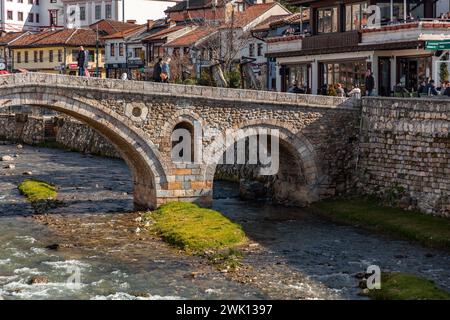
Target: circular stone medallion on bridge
137, 112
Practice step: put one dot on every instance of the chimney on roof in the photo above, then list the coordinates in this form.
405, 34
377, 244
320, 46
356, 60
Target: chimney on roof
150, 24
131, 21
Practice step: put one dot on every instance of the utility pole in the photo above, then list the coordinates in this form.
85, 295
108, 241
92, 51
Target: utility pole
123, 10
97, 51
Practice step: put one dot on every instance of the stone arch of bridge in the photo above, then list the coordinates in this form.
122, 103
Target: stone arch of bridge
299, 172
134, 146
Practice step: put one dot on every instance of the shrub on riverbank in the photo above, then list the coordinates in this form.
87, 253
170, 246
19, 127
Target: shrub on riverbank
192, 228
429, 230
403, 286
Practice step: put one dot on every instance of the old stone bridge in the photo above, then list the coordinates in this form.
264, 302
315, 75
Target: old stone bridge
317, 133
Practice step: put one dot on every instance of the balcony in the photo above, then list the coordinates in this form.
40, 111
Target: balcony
331, 41
423, 30
284, 43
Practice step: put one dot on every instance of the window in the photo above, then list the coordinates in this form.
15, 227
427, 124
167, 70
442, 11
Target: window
9, 15
50, 56
91, 56
19, 57
31, 17
108, 14
112, 50
37, 17
75, 55
60, 55
82, 13
346, 73
37, 2
53, 17
260, 49
20, 16
355, 16
121, 49
30, 1
98, 12
137, 52
102, 52
35, 56
20, 1
327, 20
26, 57
41, 56
251, 50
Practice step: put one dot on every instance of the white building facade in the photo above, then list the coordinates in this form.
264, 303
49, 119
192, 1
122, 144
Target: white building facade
89, 12
33, 15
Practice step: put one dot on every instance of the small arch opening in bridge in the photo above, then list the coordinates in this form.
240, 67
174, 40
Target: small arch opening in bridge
178, 139
293, 184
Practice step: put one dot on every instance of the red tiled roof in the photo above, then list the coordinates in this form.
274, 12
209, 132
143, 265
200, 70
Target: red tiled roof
11, 36
164, 33
125, 33
111, 26
68, 37
241, 19
190, 37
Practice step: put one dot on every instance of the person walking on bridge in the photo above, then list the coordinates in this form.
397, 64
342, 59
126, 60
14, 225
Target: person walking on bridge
82, 61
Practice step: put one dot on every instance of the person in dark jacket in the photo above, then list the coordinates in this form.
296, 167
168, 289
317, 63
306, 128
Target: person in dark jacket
82, 61
369, 82
422, 86
157, 70
430, 89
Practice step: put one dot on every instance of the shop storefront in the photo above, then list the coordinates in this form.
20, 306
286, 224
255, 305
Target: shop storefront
347, 73
115, 70
136, 69
411, 71
296, 73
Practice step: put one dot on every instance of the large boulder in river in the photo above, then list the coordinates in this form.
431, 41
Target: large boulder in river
7, 158
38, 280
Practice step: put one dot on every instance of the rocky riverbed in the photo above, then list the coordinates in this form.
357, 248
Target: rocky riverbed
96, 235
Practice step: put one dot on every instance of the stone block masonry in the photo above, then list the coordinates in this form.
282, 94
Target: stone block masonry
404, 152
21, 127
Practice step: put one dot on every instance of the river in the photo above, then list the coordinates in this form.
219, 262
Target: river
292, 254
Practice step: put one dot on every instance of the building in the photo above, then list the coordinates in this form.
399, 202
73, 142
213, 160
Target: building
154, 44
84, 13
344, 42
5, 52
125, 53
220, 34
35, 15
286, 27
56, 51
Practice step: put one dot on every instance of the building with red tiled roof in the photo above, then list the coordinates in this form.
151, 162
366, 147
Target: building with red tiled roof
5, 52
155, 42
56, 51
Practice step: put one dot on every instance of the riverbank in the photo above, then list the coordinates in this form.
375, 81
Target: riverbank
428, 230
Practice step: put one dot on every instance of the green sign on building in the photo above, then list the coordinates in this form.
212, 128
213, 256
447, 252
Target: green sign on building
437, 45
